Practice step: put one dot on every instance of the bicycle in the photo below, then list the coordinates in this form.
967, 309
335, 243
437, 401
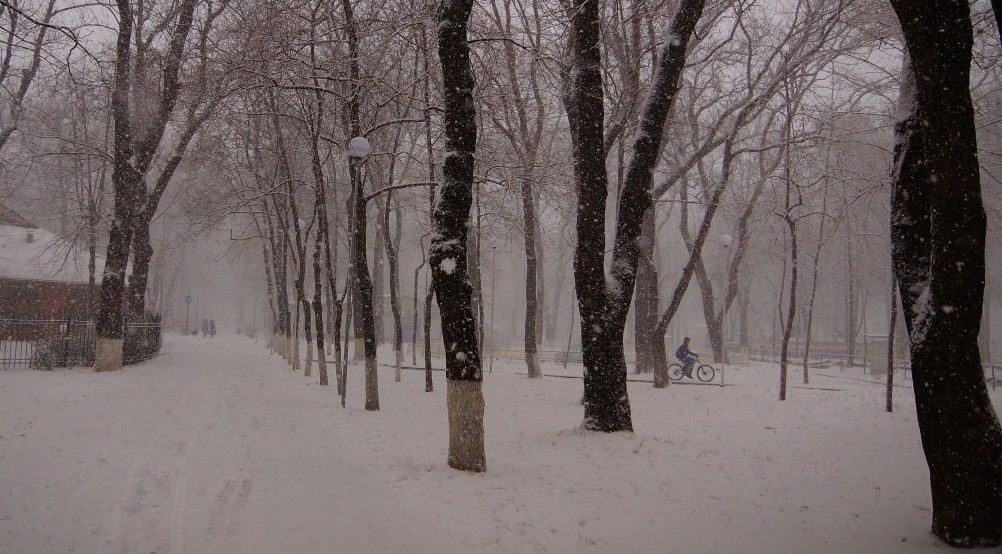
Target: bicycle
703, 372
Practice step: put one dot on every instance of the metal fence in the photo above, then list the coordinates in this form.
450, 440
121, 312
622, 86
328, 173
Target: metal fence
46, 344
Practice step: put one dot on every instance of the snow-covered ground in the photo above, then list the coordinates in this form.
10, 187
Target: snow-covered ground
215, 446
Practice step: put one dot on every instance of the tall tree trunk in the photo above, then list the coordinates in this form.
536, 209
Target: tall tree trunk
540, 276
604, 307
307, 331
429, 385
558, 283
791, 223
938, 245
695, 251
791, 308
473, 258
282, 282
645, 300
133, 155
464, 371
318, 309
814, 289
891, 326
743, 307
110, 319
391, 257
125, 180
985, 333
851, 304
606, 402
713, 325
142, 254
378, 274
414, 326
532, 307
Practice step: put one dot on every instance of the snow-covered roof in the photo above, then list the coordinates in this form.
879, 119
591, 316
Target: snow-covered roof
10, 217
43, 257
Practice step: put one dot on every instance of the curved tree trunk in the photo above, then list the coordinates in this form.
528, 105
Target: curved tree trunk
791, 309
142, 254
938, 231
532, 307
318, 311
414, 326
604, 305
429, 385
134, 152
645, 302
391, 256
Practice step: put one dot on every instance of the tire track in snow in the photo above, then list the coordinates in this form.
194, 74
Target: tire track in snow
157, 477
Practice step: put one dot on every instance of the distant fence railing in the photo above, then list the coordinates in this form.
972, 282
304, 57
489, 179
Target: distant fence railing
46, 344
839, 356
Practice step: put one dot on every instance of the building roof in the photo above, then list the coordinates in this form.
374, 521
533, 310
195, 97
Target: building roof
29, 252
39, 255
11, 218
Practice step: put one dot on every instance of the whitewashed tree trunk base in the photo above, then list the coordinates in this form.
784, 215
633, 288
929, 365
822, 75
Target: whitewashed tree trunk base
278, 342
400, 362
466, 425
108, 356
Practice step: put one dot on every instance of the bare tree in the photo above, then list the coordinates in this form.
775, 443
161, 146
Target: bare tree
520, 118
25, 32
604, 304
135, 148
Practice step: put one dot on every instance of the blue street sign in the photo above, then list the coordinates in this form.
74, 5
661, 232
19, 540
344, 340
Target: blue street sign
187, 299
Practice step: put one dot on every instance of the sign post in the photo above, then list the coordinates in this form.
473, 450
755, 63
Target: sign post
187, 303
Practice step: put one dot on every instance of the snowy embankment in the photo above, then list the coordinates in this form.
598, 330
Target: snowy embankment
216, 447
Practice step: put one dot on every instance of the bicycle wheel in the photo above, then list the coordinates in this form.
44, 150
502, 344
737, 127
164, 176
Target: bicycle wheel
705, 373
675, 372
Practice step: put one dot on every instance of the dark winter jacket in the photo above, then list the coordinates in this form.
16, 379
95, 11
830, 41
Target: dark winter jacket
683, 353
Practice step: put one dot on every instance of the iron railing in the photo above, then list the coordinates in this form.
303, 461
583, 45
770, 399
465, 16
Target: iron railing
46, 344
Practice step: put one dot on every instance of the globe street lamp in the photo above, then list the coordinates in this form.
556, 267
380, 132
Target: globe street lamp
358, 147
725, 241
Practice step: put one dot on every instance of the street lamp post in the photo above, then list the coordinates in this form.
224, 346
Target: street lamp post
358, 149
495, 242
187, 304
725, 241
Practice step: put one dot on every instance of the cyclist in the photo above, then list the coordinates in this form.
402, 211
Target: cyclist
686, 356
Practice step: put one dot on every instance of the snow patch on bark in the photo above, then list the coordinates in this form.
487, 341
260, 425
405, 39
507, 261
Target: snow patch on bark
922, 313
448, 266
906, 111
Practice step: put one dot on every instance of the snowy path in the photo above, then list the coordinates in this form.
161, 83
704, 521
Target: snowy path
215, 446
212, 448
